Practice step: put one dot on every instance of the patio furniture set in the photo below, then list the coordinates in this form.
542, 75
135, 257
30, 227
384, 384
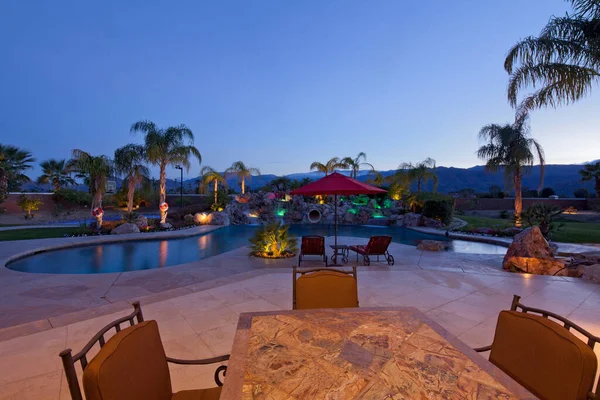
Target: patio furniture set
377, 246
327, 347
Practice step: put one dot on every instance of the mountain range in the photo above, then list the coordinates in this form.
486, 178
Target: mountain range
564, 179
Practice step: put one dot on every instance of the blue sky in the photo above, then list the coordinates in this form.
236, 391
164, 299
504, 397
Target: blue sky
277, 84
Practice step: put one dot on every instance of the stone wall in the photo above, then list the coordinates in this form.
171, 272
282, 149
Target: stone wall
11, 202
508, 203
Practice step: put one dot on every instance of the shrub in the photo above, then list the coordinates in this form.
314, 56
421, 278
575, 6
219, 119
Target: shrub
504, 214
3, 185
188, 219
581, 193
70, 198
542, 215
273, 240
440, 209
547, 192
29, 204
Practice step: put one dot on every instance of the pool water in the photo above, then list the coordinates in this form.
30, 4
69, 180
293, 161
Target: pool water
150, 254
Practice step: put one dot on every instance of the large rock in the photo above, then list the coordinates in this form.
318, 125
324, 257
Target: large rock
349, 217
124, 229
530, 253
166, 225
411, 219
363, 216
432, 223
372, 203
431, 245
141, 222
218, 218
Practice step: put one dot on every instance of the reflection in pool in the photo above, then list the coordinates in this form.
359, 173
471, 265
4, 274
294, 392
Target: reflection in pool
149, 254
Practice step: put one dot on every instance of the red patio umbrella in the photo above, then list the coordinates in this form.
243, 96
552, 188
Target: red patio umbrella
336, 184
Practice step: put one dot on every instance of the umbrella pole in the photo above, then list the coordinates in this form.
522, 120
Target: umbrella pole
335, 229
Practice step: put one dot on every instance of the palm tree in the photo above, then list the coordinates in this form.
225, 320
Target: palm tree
592, 172
355, 163
15, 161
55, 172
510, 147
240, 169
376, 178
171, 146
329, 167
95, 170
282, 183
421, 173
209, 175
563, 63
130, 161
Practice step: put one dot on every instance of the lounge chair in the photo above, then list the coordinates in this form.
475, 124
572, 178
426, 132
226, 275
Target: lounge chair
132, 365
543, 355
312, 246
377, 246
324, 288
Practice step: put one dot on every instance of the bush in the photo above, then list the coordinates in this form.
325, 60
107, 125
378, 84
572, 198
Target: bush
70, 198
440, 209
547, 192
29, 204
541, 215
504, 214
273, 240
581, 193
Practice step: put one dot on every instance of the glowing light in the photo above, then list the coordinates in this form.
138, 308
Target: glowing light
280, 213
253, 215
203, 218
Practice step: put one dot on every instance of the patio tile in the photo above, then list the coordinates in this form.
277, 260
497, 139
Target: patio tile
206, 320
41, 387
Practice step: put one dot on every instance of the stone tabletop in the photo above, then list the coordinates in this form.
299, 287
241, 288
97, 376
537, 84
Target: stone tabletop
368, 353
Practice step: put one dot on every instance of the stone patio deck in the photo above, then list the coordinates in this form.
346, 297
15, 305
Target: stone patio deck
197, 306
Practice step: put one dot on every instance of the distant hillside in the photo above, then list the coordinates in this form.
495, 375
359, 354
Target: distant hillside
564, 179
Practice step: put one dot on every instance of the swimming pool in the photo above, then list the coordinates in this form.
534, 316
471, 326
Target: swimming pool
150, 254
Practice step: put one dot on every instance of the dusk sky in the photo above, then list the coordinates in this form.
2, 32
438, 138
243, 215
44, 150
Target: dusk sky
276, 84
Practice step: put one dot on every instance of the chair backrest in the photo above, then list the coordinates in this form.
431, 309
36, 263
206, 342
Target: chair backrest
132, 365
313, 245
69, 360
378, 244
325, 288
542, 355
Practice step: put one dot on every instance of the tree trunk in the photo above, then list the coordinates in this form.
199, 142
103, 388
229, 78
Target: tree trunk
518, 198
243, 185
419, 185
216, 188
130, 193
56, 186
97, 202
162, 190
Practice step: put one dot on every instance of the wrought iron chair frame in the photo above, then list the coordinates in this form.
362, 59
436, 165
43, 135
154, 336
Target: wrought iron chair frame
302, 254
592, 339
69, 360
352, 273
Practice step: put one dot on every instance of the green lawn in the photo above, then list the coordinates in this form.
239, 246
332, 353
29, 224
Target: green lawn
568, 231
37, 233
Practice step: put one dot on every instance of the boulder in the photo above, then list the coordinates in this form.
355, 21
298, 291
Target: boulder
189, 219
372, 203
530, 253
431, 245
348, 217
237, 216
432, 223
166, 225
400, 220
411, 219
124, 229
363, 216
141, 222
218, 218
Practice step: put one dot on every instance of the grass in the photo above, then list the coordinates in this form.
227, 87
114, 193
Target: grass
568, 231
38, 233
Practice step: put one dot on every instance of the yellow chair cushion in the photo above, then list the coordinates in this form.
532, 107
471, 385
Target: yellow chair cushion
131, 365
200, 394
543, 356
326, 289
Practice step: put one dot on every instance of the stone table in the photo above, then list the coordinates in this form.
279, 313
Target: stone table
367, 353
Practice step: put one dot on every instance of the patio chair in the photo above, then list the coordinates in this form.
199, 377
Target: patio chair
312, 246
544, 356
324, 288
132, 365
377, 246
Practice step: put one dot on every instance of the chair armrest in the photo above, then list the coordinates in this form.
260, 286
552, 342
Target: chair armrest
199, 362
482, 349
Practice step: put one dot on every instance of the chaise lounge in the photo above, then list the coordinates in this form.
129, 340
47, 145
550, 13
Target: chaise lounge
377, 246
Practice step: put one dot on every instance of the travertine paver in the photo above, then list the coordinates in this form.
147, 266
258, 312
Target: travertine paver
203, 324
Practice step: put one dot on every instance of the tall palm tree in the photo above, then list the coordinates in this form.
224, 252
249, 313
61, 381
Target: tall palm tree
209, 175
329, 167
421, 173
376, 178
592, 172
243, 172
510, 147
167, 146
55, 172
130, 162
15, 161
355, 163
95, 170
562, 64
